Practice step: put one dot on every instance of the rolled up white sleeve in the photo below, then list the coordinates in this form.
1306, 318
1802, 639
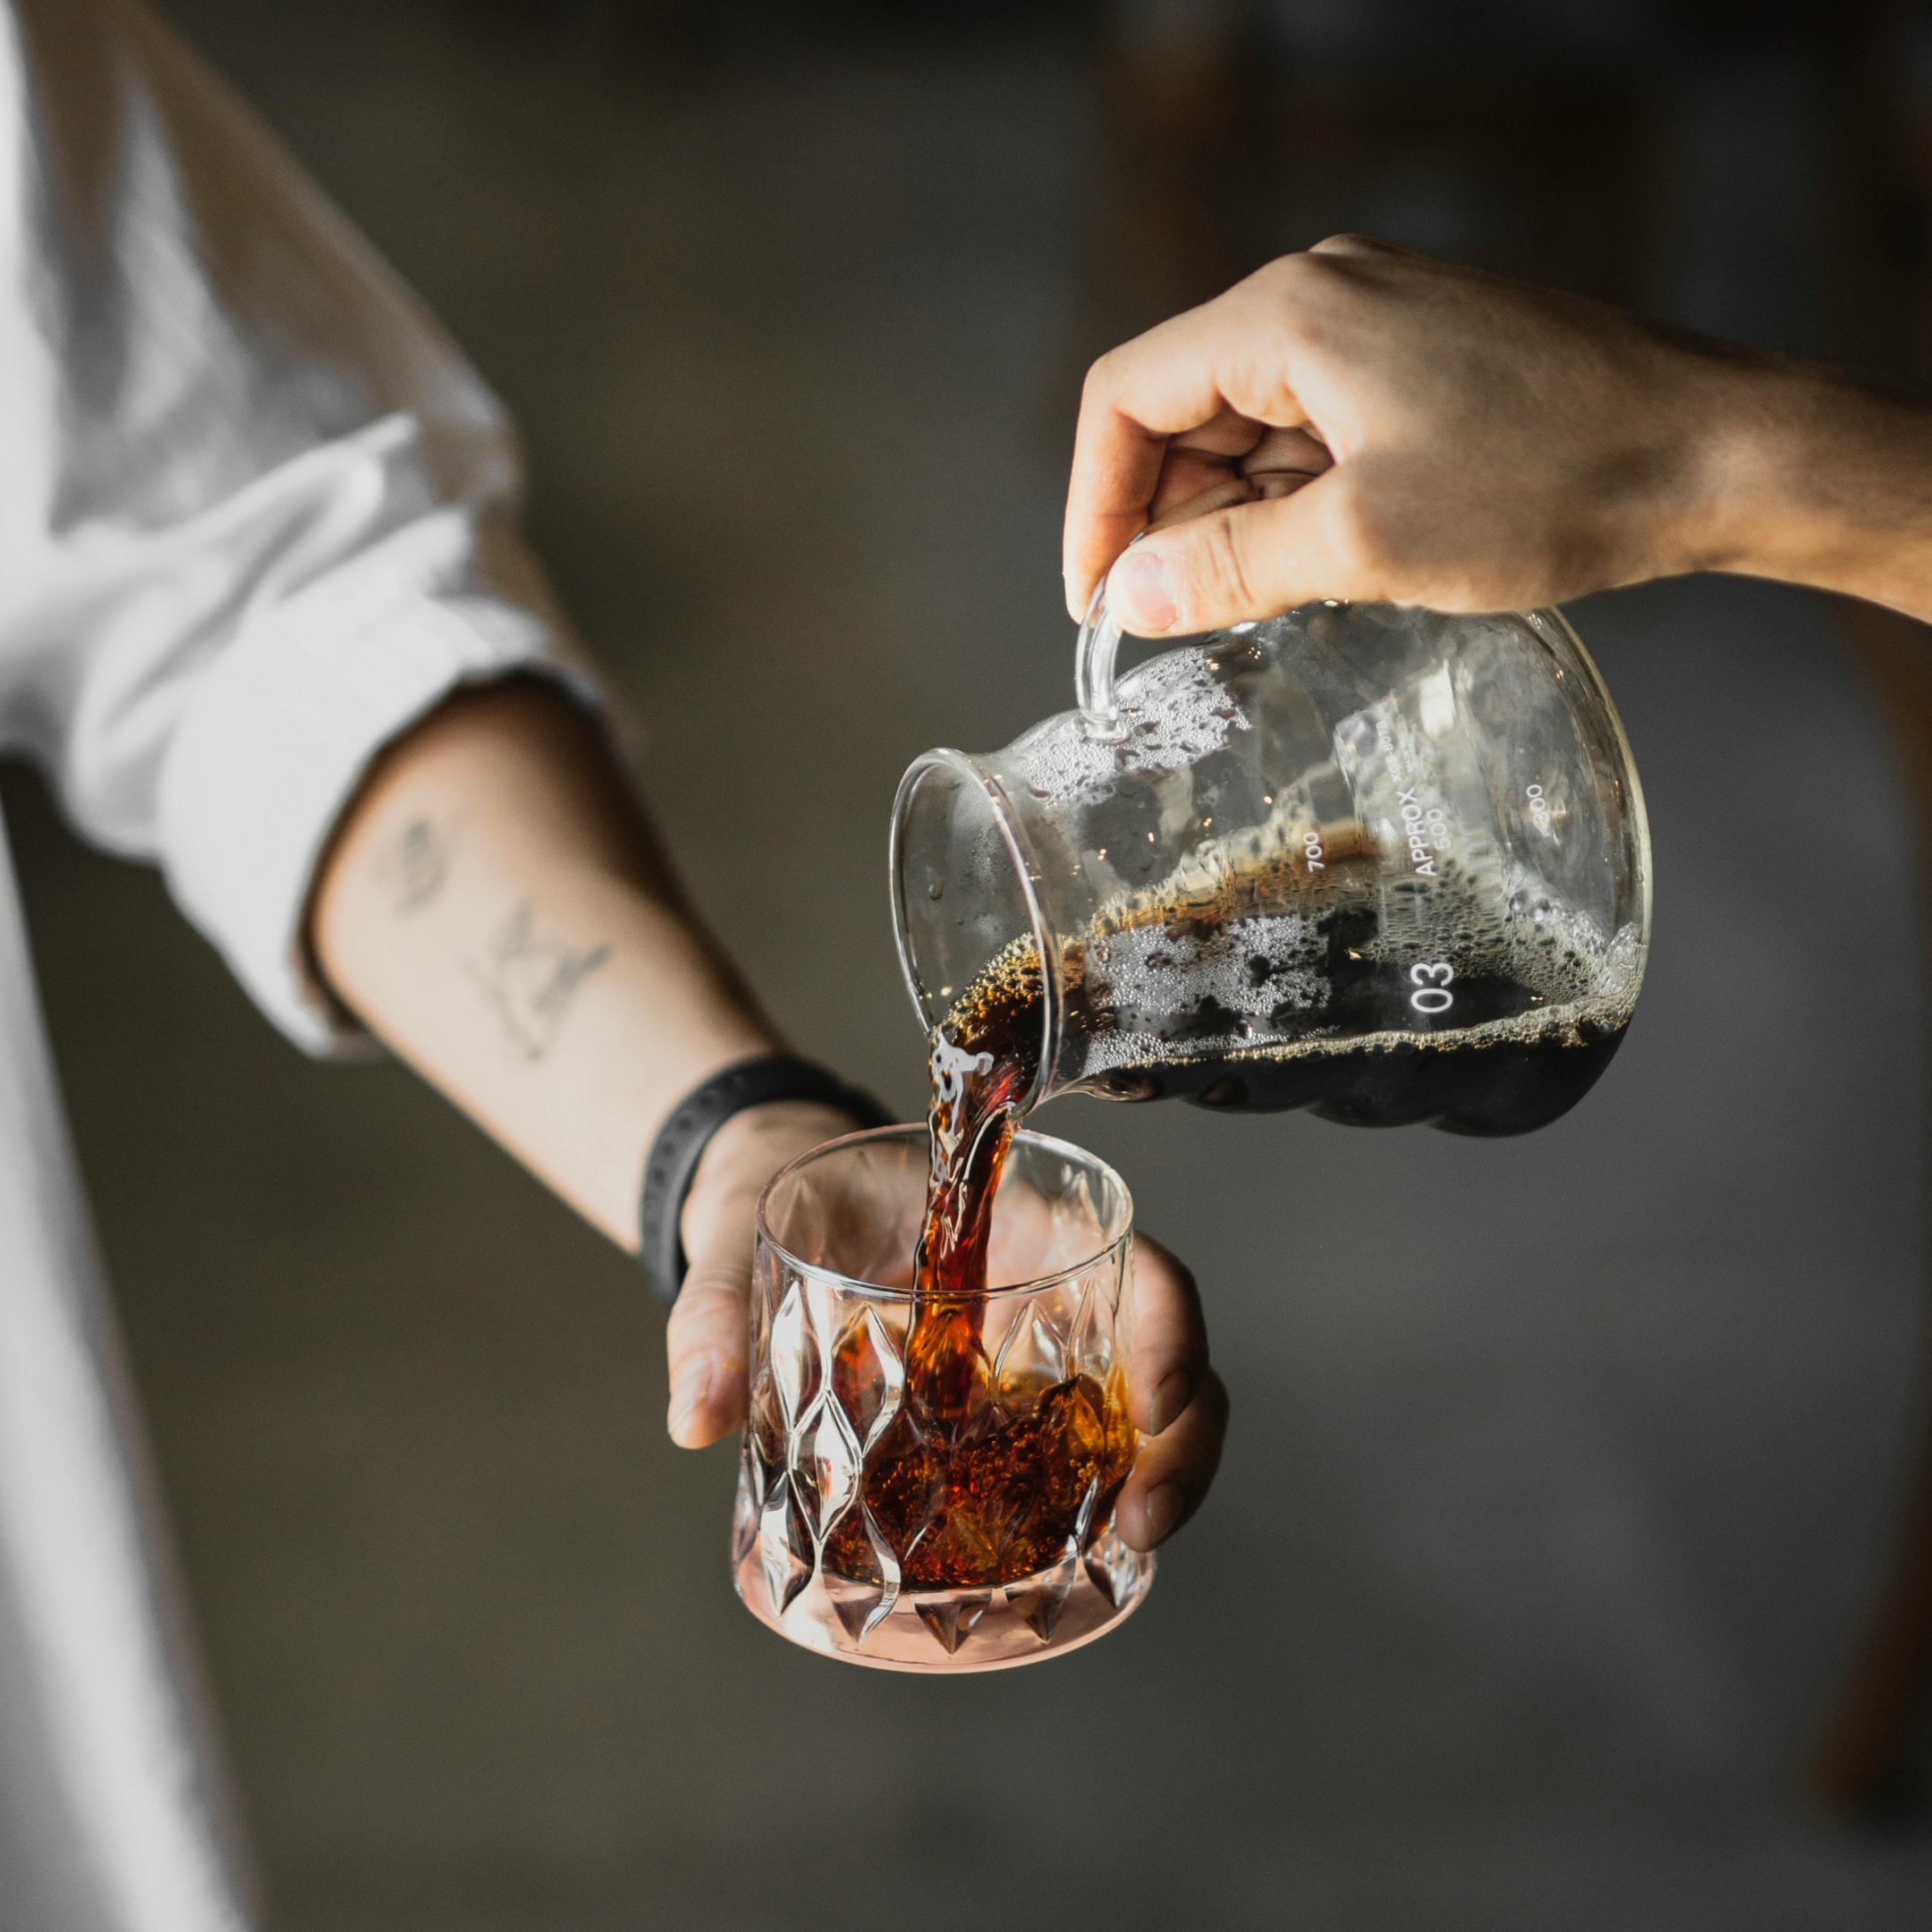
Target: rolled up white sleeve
280, 725
260, 514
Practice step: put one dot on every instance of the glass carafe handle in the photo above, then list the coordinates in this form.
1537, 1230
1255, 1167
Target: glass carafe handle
1093, 669
1099, 636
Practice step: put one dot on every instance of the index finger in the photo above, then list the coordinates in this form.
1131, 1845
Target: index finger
1213, 376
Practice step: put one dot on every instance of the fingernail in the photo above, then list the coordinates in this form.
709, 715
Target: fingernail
1140, 593
1170, 1399
691, 1388
1163, 1512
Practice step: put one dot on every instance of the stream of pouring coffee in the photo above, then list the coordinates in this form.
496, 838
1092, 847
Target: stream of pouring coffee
981, 1480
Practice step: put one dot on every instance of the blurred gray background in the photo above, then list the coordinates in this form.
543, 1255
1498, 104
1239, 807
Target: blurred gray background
1563, 1472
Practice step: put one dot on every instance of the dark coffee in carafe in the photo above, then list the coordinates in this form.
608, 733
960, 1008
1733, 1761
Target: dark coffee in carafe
1286, 994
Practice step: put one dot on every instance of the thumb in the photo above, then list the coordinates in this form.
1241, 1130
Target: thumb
1253, 561
708, 1343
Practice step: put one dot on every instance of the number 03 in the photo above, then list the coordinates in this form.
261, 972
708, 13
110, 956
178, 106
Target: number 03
1431, 981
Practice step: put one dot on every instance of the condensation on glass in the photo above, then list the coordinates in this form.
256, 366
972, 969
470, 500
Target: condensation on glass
1381, 862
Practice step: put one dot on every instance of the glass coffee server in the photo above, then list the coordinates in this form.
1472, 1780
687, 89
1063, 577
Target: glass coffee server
1384, 863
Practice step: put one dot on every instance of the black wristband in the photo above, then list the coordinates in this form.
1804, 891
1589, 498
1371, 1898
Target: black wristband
682, 1139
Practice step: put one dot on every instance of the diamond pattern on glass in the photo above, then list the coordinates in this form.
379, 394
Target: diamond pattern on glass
911, 1525
1114, 1569
765, 1434
784, 1547
951, 1618
824, 1474
1041, 1598
905, 1488
745, 1522
1033, 1356
1091, 1349
859, 1607
1083, 1517
864, 1602
794, 1354
867, 1377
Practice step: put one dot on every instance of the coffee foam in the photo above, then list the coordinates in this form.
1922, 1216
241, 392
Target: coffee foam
1574, 1024
1140, 966
1254, 967
1175, 711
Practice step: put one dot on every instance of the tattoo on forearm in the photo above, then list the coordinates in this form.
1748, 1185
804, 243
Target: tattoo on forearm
530, 979
420, 866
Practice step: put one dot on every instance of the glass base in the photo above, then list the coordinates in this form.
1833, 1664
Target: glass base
1044, 1616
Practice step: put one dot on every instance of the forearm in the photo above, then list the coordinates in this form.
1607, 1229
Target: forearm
494, 910
1815, 478
1467, 444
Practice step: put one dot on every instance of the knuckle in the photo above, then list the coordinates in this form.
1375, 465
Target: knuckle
1300, 298
1284, 269
1348, 242
1288, 280
1102, 379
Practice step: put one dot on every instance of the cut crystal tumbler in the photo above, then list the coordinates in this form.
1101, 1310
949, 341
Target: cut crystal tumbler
930, 1486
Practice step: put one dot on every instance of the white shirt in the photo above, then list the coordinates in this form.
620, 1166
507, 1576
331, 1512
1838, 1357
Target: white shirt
256, 516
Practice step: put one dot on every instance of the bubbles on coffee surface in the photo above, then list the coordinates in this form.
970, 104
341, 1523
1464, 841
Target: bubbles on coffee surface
1478, 997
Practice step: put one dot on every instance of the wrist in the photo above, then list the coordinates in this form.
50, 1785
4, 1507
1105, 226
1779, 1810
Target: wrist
684, 1140
741, 1158
1812, 477
1713, 408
